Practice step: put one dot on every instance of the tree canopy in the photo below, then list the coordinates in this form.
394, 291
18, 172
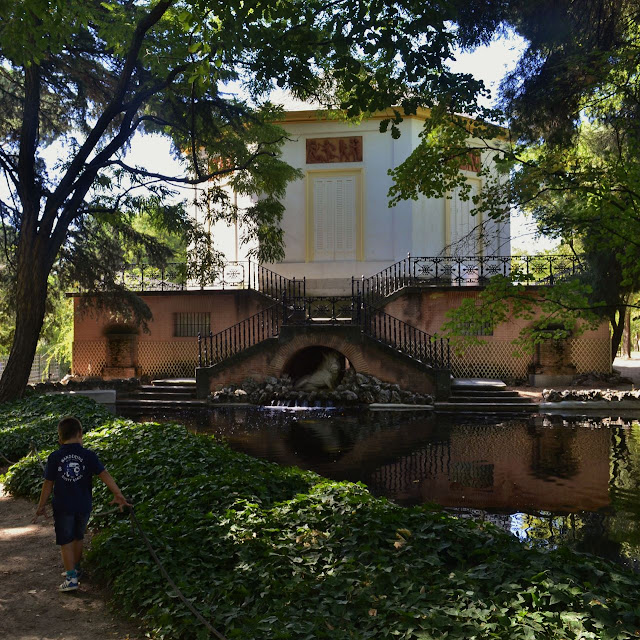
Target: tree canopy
571, 108
78, 79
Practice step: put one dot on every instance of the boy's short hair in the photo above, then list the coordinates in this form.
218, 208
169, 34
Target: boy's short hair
69, 427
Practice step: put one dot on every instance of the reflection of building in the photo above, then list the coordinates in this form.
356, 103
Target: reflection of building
516, 467
478, 465
414, 261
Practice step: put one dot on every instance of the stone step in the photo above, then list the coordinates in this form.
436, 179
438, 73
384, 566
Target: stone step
174, 382
487, 399
159, 395
479, 384
166, 389
474, 407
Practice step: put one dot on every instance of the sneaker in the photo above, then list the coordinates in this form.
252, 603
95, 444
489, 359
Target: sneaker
78, 573
70, 584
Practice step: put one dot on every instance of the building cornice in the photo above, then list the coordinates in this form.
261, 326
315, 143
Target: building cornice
334, 115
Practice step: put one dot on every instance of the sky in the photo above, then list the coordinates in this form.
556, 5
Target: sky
491, 63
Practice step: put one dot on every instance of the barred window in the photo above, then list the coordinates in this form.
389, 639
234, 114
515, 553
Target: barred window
189, 325
474, 329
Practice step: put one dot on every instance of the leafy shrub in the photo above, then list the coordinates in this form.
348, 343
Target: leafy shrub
35, 419
269, 552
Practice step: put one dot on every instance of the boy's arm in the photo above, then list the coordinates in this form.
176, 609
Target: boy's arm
47, 488
118, 498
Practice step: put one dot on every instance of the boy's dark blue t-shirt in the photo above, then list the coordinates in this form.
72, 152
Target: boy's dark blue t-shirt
71, 468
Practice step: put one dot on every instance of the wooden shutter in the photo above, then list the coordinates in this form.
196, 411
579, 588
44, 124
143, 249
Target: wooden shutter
322, 217
345, 226
334, 214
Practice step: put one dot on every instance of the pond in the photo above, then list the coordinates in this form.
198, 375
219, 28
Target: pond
545, 479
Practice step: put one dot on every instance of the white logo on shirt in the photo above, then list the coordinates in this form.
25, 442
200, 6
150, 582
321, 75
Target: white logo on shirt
71, 468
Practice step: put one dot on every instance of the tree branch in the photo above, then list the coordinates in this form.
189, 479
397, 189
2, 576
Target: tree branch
66, 185
191, 181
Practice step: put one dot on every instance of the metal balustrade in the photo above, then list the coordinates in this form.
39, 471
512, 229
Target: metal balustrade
321, 310
215, 348
334, 310
233, 275
465, 271
421, 271
405, 338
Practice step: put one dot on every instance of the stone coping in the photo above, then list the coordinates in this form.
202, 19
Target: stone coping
378, 406
601, 407
101, 396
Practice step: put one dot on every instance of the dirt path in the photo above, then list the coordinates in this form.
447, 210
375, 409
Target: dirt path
31, 608
629, 367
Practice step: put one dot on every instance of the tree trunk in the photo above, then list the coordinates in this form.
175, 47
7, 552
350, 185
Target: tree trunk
618, 327
626, 347
31, 294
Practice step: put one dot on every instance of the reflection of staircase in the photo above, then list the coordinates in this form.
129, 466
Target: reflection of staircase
484, 396
172, 394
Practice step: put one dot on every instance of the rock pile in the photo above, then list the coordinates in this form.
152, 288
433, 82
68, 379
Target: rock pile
354, 389
596, 377
586, 395
77, 383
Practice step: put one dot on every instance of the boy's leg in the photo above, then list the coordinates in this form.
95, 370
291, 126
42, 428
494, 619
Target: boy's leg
77, 552
80, 526
68, 552
64, 527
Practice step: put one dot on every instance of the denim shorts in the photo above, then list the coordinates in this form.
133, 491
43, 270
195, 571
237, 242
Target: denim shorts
69, 526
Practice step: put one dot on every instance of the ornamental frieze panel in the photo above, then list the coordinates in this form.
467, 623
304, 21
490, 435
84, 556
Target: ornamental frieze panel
327, 150
471, 162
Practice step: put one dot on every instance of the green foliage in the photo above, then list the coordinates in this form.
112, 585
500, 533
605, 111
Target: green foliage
551, 313
56, 336
269, 552
35, 419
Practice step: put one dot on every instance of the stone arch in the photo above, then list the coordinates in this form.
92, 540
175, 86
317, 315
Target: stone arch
301, 342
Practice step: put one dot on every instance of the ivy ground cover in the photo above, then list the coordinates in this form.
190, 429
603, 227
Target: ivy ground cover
34, 420
266, 552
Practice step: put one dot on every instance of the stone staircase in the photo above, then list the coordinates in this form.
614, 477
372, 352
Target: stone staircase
173, 394
484, 396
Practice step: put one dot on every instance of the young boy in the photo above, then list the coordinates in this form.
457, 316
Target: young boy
69, 474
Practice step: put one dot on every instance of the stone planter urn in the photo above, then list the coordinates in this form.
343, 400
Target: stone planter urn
552, 364
122, 354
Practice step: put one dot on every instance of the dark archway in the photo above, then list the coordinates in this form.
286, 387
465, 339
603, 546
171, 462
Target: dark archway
306, 361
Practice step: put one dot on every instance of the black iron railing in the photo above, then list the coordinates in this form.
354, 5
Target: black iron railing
274, 285
336, 310
405, 338
465, 271
458, 271
233, 275
321, 310
217, 347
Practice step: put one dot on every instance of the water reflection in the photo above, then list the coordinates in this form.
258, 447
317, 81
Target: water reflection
546, 480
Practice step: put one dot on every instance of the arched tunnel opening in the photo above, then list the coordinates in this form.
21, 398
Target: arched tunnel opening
317, 368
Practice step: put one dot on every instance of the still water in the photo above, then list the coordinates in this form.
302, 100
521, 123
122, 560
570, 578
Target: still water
545, 479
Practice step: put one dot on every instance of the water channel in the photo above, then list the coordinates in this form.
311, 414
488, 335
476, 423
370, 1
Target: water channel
548, 480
